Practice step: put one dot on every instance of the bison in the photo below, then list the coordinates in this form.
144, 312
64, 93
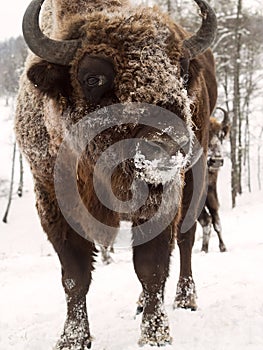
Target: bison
209, 215
88, 57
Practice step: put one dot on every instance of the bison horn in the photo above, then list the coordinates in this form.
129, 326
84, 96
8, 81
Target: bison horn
205, 36
53, 51
226, 116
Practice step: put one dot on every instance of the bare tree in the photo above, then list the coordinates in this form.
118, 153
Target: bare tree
259, 158
11, 185
21, 178
235, 137
12, 57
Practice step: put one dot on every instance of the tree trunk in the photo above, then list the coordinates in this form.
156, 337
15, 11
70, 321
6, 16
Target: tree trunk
236, 155
247, 149
21, 179
11, 185
259, 159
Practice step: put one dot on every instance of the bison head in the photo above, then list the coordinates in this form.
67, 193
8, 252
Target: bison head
99, 54
217, 133
118, 55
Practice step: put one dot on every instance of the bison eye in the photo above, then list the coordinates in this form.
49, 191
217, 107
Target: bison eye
94, 80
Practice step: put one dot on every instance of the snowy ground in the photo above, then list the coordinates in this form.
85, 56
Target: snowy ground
229, 285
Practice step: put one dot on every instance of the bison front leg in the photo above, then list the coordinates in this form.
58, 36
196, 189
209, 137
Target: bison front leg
206, 223
185, 293
76, 256
151, 263
213, 206
218, 228
193, 199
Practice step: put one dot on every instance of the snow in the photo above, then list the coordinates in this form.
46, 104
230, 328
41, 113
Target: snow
229, 285
158, 171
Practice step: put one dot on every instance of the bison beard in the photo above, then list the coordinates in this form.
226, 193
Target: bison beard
92, 54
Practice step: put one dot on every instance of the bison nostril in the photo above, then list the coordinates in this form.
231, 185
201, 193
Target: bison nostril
164, 149
153, 150
169, 151
184, 141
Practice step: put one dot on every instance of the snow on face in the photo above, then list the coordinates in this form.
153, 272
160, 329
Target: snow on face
161, 167
158, 171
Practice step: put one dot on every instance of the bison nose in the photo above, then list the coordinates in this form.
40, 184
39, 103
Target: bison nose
215, 162
170, 147
155, 150
158, 161
164, 147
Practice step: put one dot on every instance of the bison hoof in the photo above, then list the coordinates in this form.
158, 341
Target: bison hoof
222, 248
155, 330
185, 294
139, 310
140, 304
63, 344
75, 337
204, 249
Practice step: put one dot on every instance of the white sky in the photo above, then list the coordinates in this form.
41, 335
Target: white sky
12, 11
11, 15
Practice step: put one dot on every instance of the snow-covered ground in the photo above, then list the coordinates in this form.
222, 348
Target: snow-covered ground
229, 285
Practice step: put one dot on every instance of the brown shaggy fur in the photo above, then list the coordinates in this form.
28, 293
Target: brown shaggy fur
145, 48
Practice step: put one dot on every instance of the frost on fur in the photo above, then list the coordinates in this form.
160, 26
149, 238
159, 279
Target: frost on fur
185, 294
76, 334
158, 170
155, 329
155, 326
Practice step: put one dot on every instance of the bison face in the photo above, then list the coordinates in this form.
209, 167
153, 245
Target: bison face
215, 156
217, 133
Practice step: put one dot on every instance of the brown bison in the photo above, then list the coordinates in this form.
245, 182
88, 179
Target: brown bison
87, 58
209, 215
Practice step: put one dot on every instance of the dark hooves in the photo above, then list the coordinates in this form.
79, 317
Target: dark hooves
139, 310
204, 249
222, 249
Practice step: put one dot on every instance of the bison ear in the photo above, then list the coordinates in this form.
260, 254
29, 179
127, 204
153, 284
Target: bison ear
226, 130
51, 79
